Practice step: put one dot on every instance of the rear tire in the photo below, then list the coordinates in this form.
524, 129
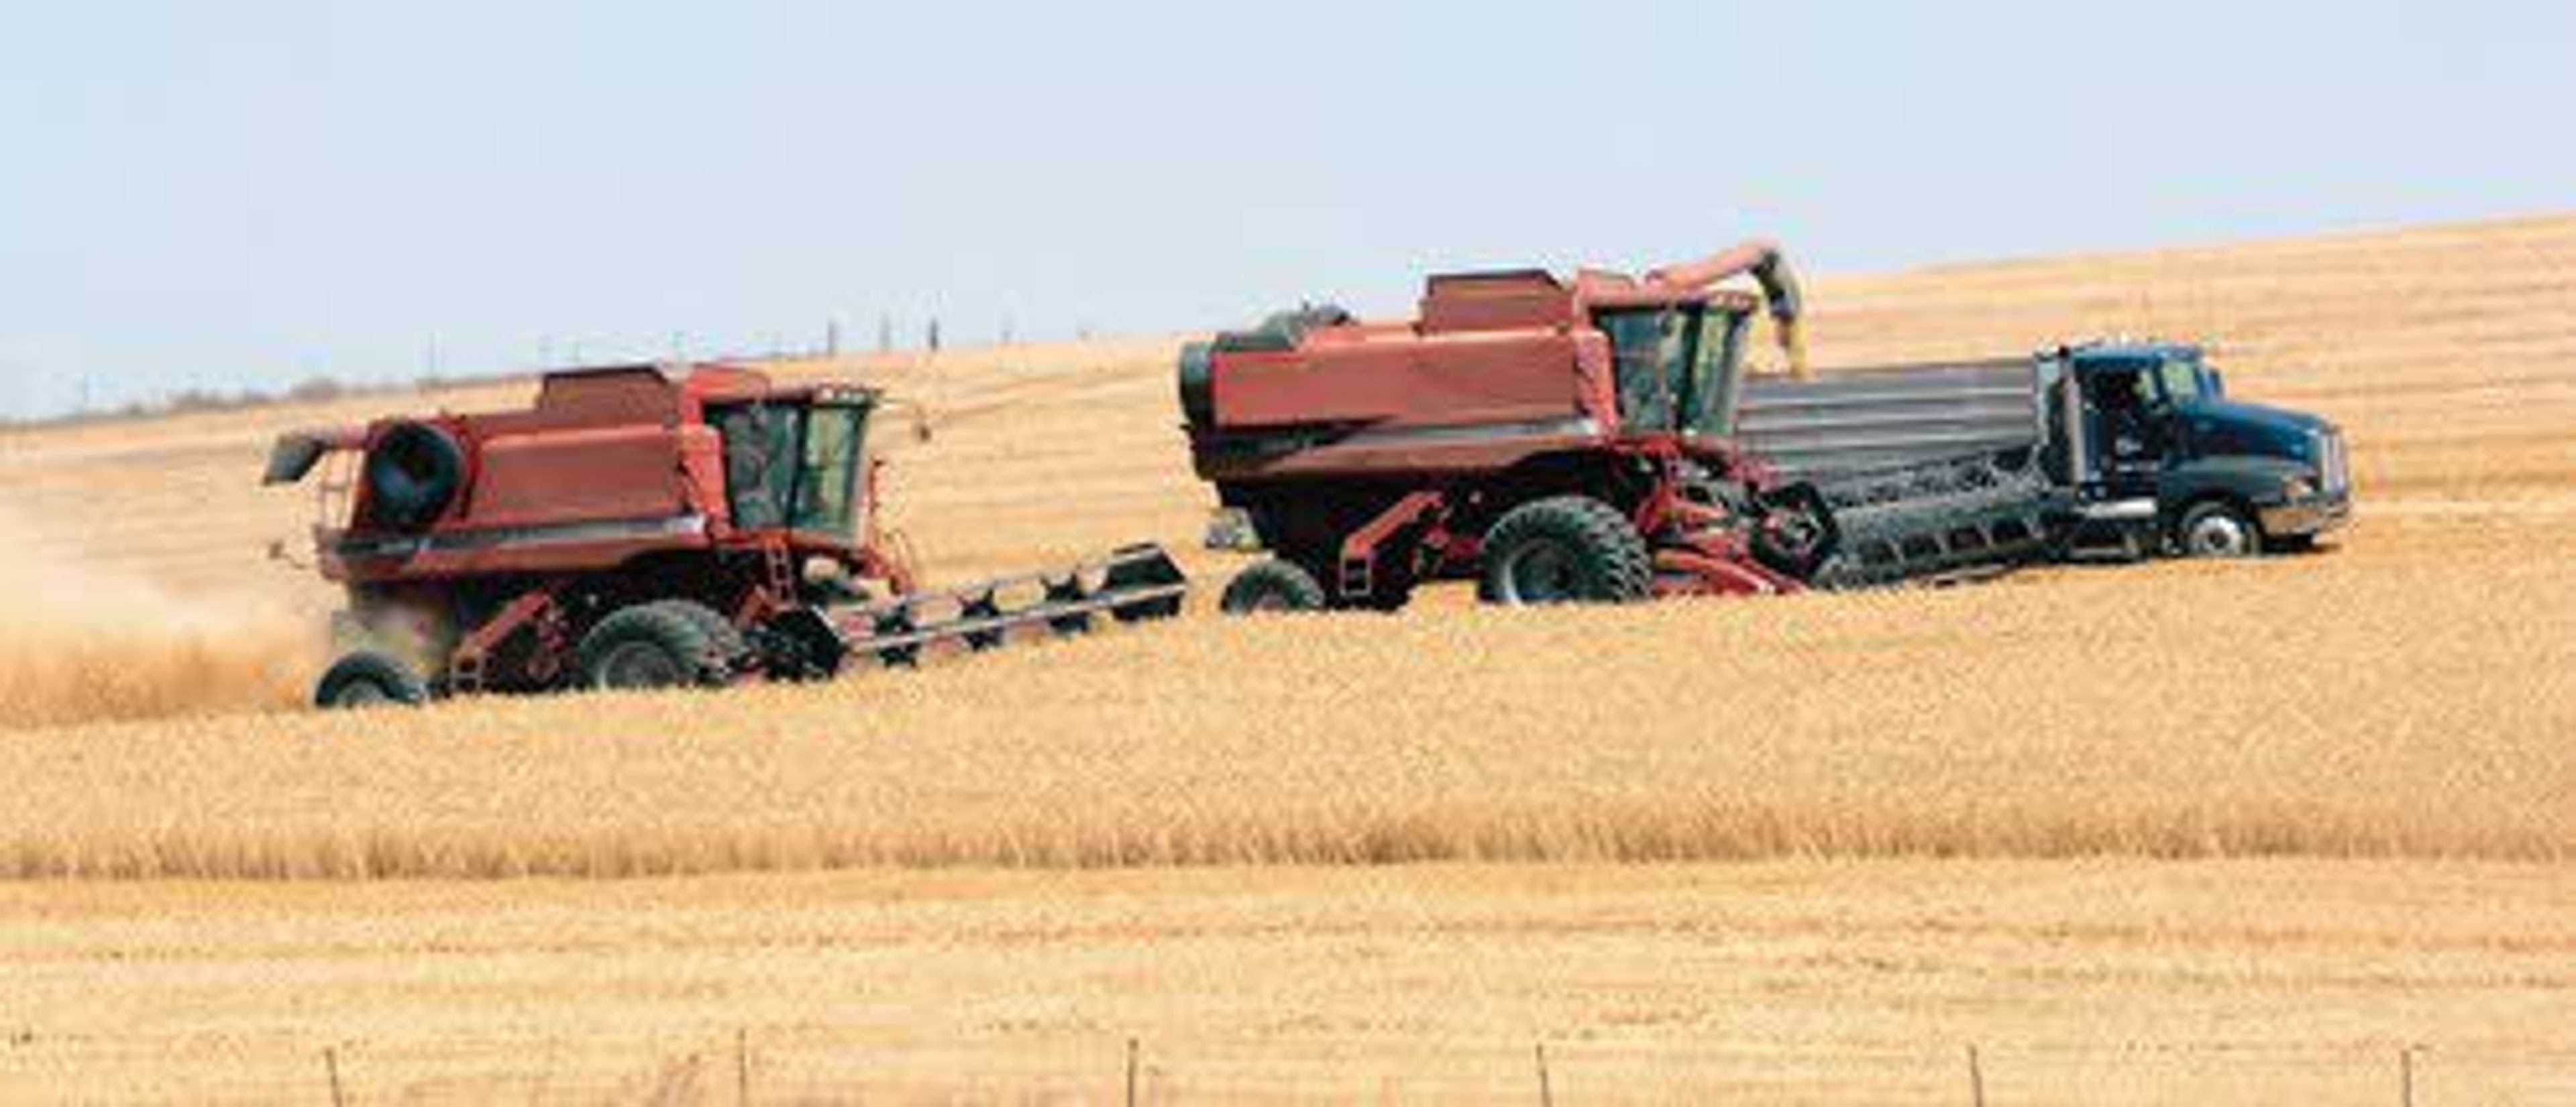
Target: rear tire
2217, 530
652, 646
1274, 586
1570, 549
367, 679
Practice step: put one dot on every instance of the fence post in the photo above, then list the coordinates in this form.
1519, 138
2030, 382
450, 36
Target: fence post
742, 1066
1131, 1072
331, 1065
1546, 1086
1976, 1078
2406, 1076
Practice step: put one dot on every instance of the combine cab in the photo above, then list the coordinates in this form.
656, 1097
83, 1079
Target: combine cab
641, 529
1559, 441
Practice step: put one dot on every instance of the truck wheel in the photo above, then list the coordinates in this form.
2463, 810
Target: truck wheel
1273, 586
651, 646
2217, 529
369, 678
1571, 549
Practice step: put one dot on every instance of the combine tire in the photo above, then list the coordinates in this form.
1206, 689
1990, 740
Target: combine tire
727, 637
1571, 549
653, 645
413, 472
1273, 586
369, 678
2217, 529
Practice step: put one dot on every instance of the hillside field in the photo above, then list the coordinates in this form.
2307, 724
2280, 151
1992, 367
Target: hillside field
2139, 833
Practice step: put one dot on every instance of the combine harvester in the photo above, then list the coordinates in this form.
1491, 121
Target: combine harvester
1560, 441
639, 528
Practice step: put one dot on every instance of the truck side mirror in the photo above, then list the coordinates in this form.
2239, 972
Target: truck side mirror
2217, 383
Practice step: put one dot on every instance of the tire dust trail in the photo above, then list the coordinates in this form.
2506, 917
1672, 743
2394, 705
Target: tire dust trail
85, 645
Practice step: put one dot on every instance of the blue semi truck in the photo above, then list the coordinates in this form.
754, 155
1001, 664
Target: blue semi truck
2140, 449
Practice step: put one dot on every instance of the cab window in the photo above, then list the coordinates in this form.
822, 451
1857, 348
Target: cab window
760, 445
1648, 348
827, 493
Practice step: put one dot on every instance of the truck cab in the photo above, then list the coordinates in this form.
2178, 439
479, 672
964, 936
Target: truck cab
2157, 453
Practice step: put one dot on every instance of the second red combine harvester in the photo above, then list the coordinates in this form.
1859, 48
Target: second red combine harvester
1559, 441
642, 528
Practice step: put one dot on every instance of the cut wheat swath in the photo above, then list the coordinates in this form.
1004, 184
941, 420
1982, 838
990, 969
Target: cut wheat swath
2080, 715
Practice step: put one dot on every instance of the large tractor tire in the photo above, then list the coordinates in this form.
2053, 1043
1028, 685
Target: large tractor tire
413, 471
1273, 586
369, 678
2216, 529
653, 645
1570, 549
728, 638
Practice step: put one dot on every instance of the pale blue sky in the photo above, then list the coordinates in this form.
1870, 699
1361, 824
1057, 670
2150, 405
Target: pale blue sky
246, 193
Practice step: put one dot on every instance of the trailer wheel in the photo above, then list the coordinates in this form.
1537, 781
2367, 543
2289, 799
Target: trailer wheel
1570, 549
651, 645
1275, 585
369, 678
2218, 529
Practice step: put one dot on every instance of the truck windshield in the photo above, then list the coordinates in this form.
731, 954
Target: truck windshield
1676, 366
2183, 381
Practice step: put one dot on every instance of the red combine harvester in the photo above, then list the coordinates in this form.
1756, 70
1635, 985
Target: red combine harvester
1561, 441
640, 528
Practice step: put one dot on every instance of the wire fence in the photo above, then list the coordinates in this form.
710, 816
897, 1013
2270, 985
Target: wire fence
748, 1069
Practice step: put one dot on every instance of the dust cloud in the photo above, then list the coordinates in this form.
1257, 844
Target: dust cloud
81, 644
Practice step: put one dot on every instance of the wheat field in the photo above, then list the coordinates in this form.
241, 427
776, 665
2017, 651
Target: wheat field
2193, 795
2172, 710
2026, 720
